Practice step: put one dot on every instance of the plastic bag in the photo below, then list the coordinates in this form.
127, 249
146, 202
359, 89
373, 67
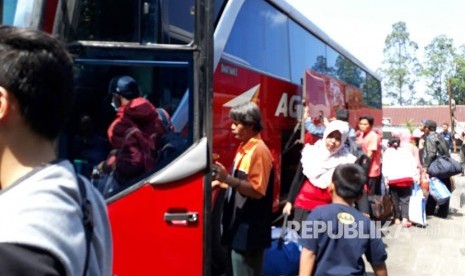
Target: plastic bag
416, 207
438, 190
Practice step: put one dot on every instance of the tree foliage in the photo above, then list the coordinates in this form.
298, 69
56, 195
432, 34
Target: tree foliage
349, 72
442, 65
458, 78
439, 67
320, 64
400, 66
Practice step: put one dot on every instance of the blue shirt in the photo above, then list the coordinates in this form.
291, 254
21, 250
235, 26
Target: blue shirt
339, 235
316, 130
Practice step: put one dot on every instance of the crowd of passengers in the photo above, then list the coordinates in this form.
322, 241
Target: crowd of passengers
392, 170
136, 133
340, 172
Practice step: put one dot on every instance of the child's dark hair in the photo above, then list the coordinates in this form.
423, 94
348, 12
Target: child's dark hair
37, 70
394, 142
348, 180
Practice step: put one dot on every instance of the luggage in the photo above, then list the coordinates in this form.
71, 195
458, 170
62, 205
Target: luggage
283, 257
381, 206
416, 207
444, 167
439, 191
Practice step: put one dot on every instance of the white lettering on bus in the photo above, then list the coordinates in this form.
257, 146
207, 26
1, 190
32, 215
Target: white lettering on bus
295, 107
289, 108
228, 70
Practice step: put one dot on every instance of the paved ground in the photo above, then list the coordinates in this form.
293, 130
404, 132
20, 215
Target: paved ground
437, 249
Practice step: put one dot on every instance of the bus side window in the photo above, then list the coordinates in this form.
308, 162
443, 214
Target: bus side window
165, 88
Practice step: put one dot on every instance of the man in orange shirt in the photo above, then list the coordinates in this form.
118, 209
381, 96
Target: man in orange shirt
247, 212
371, 146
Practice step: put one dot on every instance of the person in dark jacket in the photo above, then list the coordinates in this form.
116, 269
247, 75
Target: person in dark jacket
433, 148
447, 135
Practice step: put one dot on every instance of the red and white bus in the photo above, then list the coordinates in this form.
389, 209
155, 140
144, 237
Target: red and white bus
196, 59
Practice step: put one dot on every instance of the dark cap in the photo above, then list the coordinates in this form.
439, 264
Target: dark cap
430, 124
124, 86
342, 114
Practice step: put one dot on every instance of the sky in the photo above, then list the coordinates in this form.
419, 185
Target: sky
361, 26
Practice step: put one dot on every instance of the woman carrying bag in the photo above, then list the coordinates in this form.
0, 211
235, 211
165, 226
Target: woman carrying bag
400, 171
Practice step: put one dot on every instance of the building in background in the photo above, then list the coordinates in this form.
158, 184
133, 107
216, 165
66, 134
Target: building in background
400, 115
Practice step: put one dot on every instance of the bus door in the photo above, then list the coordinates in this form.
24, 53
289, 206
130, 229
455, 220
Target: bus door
157, 219
160, 221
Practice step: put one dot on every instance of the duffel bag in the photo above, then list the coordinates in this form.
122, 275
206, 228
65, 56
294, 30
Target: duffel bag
444, 167
283, 257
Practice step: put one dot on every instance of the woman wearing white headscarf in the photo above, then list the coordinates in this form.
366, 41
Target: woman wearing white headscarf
318, 164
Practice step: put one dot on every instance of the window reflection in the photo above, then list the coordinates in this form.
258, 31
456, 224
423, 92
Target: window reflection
142, 21
264, 45
349, 72
332, 66
86, 139
372, 92
306, 52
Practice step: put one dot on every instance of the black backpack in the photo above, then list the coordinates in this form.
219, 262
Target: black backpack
170, 145
443, 149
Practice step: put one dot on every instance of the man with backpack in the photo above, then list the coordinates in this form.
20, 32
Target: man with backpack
134, 132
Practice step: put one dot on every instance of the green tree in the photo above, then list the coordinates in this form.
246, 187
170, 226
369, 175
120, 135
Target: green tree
439, 66
320, 64
400, 66
458, 78
423, 101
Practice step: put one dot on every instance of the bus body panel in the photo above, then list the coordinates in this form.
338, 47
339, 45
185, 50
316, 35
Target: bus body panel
146, 244
279, 103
